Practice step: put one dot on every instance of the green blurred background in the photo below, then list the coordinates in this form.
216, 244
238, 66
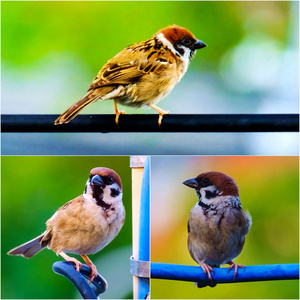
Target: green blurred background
269, 190
51, 51
32, 189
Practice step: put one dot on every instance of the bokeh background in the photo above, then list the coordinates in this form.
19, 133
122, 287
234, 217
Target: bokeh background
51, 51
269, 190
32, 189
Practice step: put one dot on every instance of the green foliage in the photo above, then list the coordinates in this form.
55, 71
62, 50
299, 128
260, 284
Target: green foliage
97, 30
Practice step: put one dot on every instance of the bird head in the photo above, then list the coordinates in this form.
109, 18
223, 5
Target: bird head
211, 185
105, 186
180, 41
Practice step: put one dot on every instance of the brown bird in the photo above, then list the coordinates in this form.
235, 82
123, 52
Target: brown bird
217, 224
141, 74
85, 224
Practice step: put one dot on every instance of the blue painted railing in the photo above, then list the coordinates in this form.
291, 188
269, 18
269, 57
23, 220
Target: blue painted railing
221, 275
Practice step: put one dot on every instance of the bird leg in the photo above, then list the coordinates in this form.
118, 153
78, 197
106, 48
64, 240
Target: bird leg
161, 112
94, 271
78, 264
118, 113
235, 266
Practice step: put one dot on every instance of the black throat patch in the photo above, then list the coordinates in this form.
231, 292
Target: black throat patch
204, 205
98, 195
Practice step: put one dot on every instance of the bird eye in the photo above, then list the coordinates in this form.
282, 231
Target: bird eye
109, 179
185, 41
205, 180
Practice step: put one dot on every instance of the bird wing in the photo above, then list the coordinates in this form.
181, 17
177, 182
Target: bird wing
132, 63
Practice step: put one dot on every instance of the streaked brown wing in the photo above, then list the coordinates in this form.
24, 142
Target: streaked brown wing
132, 63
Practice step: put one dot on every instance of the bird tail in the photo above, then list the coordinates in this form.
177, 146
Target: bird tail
75, 109
30, 248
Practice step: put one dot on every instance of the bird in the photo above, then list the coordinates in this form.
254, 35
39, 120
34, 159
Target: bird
217, 224
84, 225
141, 74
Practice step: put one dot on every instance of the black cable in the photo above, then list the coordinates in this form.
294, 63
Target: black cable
149, 123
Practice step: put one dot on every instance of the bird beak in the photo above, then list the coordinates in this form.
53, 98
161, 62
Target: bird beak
97, 180
199, 44
192, 183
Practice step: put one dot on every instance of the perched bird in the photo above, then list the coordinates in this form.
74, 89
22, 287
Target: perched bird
217, 224
85, 224
141, 74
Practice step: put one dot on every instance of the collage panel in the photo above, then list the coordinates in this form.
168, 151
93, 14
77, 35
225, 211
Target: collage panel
33, 188
250, 65
191, 224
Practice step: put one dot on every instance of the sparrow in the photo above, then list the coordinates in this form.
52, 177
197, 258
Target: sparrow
217, 224
142, 73
85, 224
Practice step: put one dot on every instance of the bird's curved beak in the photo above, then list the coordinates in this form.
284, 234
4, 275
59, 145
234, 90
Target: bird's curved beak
97, 180
199, 44
192, 183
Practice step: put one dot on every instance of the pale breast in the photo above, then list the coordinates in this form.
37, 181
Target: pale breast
84, 228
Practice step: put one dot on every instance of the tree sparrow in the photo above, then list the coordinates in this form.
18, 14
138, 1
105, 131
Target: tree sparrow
85, 224
141, 74
217, 224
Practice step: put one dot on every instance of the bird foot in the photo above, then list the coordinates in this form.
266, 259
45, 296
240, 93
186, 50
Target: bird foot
160, 111
160, 116
207, 269
235, 266
78, 264
94, 272
118, 113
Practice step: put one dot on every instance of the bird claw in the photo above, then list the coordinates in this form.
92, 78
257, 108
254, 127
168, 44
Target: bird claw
207, 269
235, 266
78, 264
94, 273
160, 116
118, 113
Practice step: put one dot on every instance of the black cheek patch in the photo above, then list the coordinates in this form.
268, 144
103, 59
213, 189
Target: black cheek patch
209, 194
179, 50
114, 193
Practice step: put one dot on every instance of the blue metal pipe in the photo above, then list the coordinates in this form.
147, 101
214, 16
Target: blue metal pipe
144, 228
221, 275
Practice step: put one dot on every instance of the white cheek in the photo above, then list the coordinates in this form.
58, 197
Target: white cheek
185, 57
203, 191
107, 193
88, 188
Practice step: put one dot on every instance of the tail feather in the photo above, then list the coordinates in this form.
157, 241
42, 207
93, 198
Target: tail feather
75, 109
30, 248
